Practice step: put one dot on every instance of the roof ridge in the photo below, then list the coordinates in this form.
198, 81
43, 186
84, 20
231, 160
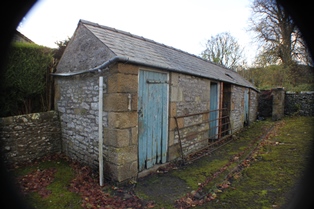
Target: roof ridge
148, 40
151, 41
160, 55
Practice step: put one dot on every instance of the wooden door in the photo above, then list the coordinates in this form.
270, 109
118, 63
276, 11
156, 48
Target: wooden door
214, 113
246, 107
152, 118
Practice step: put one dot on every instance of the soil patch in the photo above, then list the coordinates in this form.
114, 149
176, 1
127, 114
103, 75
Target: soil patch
164, 188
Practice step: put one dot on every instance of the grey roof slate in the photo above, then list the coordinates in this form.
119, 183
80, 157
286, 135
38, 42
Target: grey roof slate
150, 52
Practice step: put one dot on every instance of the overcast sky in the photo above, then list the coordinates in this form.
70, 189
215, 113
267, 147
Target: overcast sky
183, 24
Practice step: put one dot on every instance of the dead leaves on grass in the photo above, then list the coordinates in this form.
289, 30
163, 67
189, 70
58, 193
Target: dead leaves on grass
93, 196
37, 181
85, 184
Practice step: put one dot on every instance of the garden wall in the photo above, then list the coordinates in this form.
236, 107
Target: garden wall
299, 103
292, 103
27, 137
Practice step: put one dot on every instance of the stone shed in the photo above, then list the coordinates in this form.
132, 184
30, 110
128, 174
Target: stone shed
159, 104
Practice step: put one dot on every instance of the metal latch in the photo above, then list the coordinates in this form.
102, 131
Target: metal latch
149, 81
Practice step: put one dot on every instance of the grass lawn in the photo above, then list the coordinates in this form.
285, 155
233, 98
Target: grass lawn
270, 179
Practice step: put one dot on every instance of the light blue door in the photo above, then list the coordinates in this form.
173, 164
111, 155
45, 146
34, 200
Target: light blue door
152, 118
214, 113
246, 107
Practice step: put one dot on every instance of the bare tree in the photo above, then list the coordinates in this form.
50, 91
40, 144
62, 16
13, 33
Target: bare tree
224, 49
61, 47
279, 38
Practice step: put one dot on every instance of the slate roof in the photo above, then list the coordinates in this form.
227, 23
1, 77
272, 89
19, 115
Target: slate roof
152, 53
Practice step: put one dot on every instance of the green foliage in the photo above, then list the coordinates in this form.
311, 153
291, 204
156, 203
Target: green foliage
23, 81
296, 78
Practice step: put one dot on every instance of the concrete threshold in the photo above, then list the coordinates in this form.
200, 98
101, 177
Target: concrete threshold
151, 170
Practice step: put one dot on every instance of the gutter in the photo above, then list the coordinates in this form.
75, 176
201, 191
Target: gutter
98, 68
117, 59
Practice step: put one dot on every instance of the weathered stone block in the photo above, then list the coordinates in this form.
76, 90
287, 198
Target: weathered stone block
123, 155
121, 173
171, 138
116, 102
122, 119
174, 77
125, 68
134, 135
134, 102
173, 109
119, 82
176, 94
172, 124
117, 137
120, 102
180, 122
174, 152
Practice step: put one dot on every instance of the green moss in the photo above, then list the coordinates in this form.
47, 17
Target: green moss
197, 173
270, 178
263, 192
60, 196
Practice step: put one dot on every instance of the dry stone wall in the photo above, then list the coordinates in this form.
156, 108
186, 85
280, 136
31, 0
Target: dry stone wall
27, 137
299, 103
271, 102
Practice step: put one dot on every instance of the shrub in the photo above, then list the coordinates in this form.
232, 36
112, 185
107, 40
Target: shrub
23, 81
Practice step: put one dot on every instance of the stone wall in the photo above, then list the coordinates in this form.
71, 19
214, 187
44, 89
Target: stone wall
274, 102
188, 94
237, 114
253, 106
237, 108
27, 137
121, 133
299, 103
76, 99
278, 103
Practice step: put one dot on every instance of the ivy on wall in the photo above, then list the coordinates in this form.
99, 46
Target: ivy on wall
23, 83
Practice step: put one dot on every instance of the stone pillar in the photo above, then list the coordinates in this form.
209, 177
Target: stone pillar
278, 103
120, 137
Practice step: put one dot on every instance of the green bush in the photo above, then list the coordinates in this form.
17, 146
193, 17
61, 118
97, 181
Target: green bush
23, 82
296, 78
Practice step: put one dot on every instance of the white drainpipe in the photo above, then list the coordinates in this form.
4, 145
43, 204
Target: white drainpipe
100, 131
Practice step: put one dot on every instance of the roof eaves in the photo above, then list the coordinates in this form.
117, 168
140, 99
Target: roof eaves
223, 68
